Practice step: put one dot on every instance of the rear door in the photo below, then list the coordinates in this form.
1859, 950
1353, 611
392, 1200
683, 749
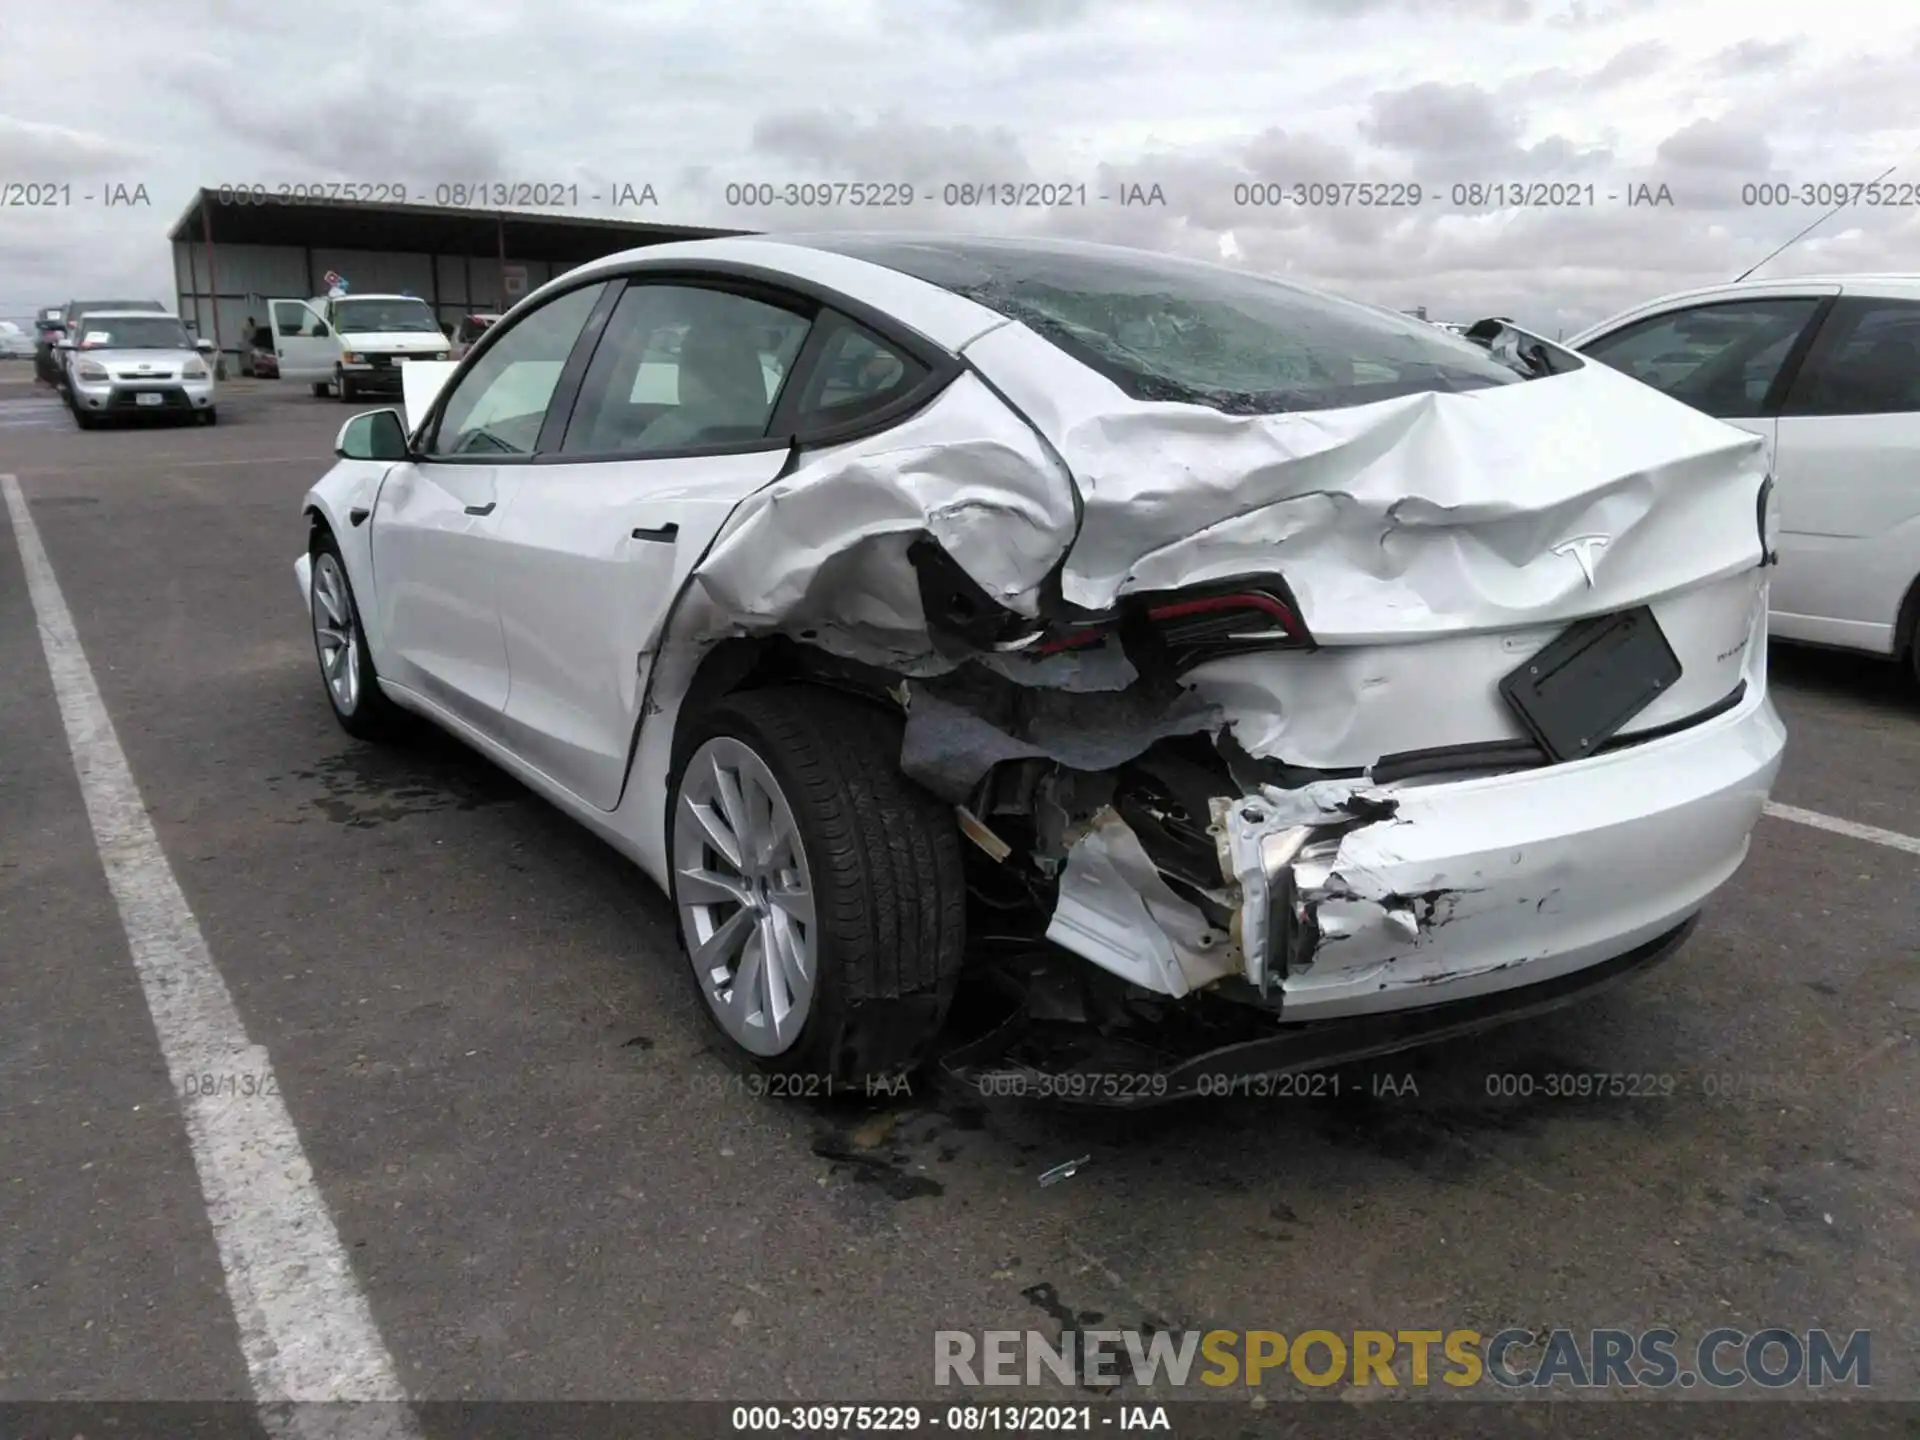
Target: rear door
1849, 475
303, 342
672, 427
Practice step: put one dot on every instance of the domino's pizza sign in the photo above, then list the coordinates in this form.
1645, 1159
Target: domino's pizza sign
336, 284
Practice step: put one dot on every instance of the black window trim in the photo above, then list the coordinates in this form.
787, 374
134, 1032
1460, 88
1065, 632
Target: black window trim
428, 431
826, 308
1836, 322
1790, 363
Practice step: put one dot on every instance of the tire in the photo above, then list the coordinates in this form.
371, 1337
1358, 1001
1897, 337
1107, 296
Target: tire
319, 389
880, 859
361, 707
210, 416
343, 388
82, 419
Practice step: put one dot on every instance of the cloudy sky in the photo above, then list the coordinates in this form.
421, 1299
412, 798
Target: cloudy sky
1197, 97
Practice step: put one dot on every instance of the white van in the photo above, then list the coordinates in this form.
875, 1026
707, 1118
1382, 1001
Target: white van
353, 345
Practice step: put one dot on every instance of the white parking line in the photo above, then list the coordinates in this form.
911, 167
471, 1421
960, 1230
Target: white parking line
306, 1331
1892, 839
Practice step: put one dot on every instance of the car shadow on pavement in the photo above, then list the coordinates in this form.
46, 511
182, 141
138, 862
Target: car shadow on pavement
1844, 675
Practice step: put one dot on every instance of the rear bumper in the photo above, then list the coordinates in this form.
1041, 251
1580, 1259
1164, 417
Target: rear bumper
1404, 896
1014, 1062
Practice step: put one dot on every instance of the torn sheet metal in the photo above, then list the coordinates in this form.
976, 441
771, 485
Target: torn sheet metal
1462, 889
1413, 516
1118, 911
824, 548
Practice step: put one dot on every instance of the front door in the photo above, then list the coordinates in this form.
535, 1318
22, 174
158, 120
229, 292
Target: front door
432, 528
436, 524
303, 343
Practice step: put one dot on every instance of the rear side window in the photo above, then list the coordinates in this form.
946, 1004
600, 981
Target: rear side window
857, 373
1721, 358
1869, 366
1167, 329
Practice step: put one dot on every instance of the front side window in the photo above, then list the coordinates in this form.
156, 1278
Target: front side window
1722, 359
680, 368
1871, 368
384, 317
497, 406
290, 317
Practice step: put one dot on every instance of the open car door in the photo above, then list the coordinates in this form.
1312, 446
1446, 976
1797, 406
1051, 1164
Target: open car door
303, 343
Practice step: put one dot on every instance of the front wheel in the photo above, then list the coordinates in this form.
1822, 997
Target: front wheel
319, 388
820, 894
210, 416
343, 388
340, 642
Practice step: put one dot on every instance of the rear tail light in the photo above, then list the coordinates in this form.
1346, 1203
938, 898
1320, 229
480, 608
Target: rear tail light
1194, 627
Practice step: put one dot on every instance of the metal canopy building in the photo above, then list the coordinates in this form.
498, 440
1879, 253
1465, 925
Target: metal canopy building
230, 258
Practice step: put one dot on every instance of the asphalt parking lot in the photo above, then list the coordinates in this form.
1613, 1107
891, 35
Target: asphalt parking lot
549, 1187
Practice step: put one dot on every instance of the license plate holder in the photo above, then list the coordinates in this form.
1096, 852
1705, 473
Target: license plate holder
1577, 692
149, 397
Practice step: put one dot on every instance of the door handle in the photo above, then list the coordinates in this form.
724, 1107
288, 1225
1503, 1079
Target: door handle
665, 535
486, 509
357, 514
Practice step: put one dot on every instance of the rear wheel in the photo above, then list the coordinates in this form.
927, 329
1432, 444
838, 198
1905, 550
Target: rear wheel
819, 893
340, 642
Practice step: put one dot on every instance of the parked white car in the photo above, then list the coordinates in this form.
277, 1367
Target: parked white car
122, 363
352, 346
1826, 371
1306, 672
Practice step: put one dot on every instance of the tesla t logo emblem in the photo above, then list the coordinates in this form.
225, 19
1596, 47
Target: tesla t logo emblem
1584, 551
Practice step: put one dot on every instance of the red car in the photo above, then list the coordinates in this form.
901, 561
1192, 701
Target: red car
470, 329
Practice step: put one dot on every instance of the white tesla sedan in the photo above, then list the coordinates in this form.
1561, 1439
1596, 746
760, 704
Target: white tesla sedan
1826, 371
1268, 653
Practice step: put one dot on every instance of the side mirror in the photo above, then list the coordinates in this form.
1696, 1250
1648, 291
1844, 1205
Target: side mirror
205, 347
376, 435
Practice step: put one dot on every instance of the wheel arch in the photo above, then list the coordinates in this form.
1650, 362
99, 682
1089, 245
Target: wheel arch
756, 663
1906, 628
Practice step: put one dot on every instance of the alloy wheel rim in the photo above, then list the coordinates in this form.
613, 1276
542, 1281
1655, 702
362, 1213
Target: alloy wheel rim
335, 635
745, 896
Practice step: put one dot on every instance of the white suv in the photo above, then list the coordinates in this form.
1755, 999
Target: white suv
1826, 370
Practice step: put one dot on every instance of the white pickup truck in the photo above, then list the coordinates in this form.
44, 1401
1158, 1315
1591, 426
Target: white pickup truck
354, 345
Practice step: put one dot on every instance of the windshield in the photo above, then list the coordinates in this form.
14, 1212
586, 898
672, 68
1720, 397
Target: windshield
1168, 329
132, 332
359, 317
